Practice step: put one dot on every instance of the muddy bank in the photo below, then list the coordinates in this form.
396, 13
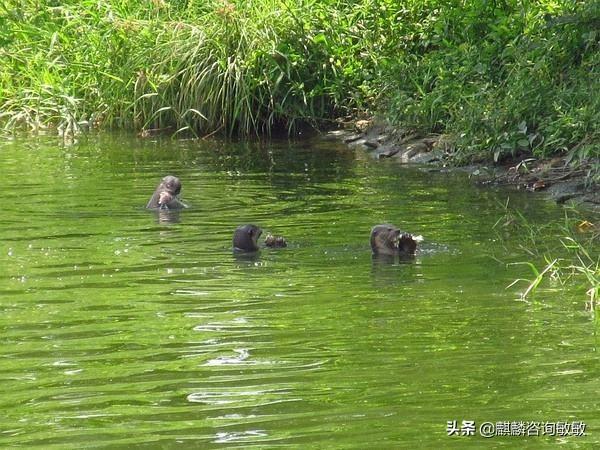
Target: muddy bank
562, 183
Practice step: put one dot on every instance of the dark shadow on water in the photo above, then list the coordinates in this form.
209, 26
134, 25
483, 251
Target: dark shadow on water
391, 259
166, 216
277, 160
246, 258
379, 260
390, 270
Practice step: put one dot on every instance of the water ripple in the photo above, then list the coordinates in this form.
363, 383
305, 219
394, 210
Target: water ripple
125, 328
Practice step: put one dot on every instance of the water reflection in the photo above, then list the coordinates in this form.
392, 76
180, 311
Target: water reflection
317, 159
167, 216
391, 259
241, 357
386, 270
108, 318
246, 259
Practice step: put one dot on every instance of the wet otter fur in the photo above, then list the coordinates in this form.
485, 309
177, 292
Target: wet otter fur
275, 241
386, 239
245, 238
165, 195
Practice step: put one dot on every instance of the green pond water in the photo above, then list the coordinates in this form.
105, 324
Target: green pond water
124, 328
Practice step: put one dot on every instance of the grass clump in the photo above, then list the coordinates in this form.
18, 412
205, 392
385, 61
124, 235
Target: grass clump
572, 257
500, 78
67, 64
200, 67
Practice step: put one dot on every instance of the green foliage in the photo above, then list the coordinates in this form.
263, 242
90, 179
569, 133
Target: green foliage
237, 67
72, 60
506, 78
500, 77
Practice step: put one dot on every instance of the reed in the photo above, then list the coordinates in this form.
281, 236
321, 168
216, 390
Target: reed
499, 78
576, 261
240, 68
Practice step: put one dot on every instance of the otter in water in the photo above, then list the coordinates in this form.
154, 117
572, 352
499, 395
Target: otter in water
275, 241
245, 238
165, 195
386, 239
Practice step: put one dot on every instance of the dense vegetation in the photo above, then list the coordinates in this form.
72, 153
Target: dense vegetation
500, 77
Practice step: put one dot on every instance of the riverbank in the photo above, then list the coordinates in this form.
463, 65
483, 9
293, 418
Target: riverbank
502, 78
563, 182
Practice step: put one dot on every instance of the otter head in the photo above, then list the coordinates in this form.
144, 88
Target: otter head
170, 184
386, 239
245, 238
275, 241
165, 194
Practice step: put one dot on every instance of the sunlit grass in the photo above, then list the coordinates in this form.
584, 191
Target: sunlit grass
576, 261
539, 276
498, 78
231, 67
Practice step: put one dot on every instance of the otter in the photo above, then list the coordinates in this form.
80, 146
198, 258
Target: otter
386, 239
275, 241
165, 195
245, 238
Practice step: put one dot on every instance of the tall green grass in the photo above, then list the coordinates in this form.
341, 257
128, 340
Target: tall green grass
500, 78
198, 67
68, 64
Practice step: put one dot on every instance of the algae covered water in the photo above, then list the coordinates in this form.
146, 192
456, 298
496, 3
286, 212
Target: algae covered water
126, 328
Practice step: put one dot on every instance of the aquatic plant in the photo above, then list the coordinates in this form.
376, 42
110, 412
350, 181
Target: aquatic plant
575, 261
